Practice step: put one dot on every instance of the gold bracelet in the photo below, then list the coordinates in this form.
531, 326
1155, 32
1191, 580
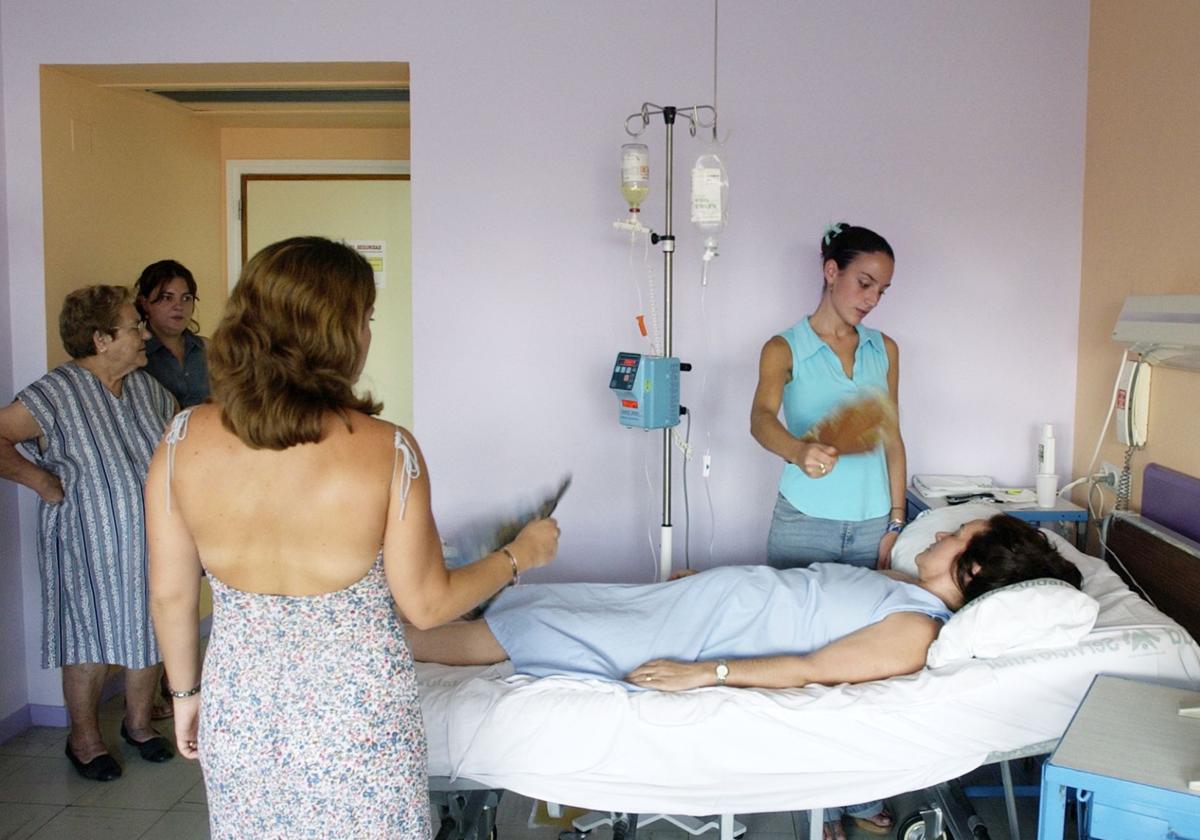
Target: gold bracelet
516, 578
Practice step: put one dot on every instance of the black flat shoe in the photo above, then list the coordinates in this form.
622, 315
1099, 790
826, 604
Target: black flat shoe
154, 749
102, 768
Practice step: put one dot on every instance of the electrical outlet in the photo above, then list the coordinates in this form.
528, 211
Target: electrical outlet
1111, 474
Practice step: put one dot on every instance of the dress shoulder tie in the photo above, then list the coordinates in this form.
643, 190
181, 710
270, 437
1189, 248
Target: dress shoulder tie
411, 469
176, 433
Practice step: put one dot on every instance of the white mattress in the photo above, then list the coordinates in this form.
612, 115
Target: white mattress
728, 750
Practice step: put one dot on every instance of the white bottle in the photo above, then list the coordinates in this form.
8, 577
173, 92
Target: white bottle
1045, 454
635, 174
710, 200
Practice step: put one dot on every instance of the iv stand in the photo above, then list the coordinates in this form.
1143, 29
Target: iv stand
692, 115
728, 826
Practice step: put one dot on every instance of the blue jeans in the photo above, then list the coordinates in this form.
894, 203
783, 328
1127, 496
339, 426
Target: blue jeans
797, 540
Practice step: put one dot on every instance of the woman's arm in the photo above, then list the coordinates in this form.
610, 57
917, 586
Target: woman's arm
774, 373
174, 598
429, 594
896, 645
897, 459
17, 425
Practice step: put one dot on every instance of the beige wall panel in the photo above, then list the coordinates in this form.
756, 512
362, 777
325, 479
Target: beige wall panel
315, 143
353, 209
126, 182
1141, 206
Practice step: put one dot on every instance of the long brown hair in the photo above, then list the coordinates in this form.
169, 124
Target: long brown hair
288, 347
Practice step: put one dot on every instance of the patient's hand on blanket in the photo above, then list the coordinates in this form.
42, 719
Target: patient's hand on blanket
669, 675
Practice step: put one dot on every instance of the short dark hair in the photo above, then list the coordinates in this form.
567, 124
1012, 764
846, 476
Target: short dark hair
86, 312
843, 242
1010, 551
157, 273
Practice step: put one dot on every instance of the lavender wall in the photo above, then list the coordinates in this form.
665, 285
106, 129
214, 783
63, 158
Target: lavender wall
13, 688
954, 129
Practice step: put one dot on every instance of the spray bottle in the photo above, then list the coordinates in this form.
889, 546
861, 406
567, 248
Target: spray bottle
1045, 456
1046, 480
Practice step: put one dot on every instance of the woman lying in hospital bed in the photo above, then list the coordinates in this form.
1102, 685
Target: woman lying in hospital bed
749, 626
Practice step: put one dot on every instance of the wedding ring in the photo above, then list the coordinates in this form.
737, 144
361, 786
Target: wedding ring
647, 679
822, 467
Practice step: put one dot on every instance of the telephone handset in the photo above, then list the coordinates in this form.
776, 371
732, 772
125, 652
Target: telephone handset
1133, 403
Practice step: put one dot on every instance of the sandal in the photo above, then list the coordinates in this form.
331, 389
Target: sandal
880, 824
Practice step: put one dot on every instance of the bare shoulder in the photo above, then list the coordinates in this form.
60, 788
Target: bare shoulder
776, 356
372, 429
914, 627
202, 420
775, 346
889, 344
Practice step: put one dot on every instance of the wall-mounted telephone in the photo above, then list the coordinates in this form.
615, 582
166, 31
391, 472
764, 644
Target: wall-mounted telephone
1133, 403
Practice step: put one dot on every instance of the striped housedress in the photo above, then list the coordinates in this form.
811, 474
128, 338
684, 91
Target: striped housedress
92, 545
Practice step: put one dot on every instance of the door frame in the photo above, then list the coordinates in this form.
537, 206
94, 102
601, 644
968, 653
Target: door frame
235, 169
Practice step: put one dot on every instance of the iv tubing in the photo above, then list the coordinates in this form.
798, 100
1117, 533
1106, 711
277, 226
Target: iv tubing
707, 362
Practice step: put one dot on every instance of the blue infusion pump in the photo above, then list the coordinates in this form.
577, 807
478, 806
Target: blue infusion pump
648, 388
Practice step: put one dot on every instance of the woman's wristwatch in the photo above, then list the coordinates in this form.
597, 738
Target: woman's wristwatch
894, 526
722, 671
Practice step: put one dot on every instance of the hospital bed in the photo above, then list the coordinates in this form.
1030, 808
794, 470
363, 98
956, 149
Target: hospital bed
593, 744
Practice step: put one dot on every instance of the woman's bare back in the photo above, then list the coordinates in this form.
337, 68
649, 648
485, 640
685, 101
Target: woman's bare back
301, 521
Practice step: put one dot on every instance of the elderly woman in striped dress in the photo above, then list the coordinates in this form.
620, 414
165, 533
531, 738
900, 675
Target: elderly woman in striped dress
88, 428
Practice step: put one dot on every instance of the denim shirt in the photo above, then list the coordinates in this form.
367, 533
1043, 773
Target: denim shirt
187, 382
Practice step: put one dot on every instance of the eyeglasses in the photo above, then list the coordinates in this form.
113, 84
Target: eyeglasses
138, 326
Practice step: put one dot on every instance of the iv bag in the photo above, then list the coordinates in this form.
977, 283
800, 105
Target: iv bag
710, 200
635, 174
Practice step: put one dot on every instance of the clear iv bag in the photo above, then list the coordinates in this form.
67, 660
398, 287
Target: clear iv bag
710, 200
635, 174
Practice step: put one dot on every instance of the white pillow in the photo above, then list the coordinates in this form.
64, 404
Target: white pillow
1040, 614
919, 534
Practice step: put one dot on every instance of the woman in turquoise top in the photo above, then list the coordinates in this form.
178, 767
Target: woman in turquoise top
832, 507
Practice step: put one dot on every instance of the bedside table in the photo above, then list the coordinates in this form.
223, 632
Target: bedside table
1063, 511
1129, 756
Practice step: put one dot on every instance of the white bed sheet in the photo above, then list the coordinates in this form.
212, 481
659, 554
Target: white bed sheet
595, 745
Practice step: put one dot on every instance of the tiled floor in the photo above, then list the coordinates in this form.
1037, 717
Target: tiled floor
42, 798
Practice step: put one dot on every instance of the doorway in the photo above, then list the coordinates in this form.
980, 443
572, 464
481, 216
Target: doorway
367, 209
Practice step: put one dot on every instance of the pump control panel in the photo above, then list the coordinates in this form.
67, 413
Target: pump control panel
648, 390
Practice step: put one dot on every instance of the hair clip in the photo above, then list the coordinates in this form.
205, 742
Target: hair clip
833, 231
